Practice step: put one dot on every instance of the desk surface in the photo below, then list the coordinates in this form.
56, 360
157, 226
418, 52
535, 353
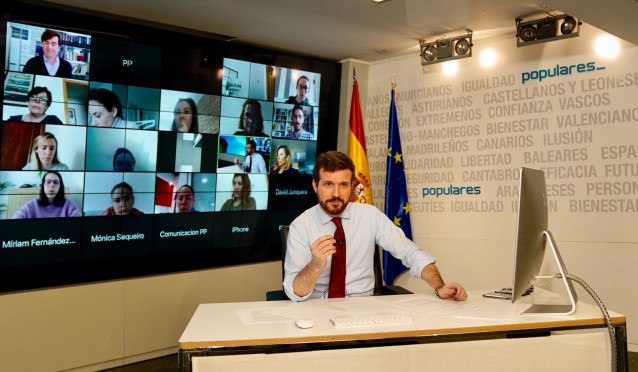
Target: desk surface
219, 325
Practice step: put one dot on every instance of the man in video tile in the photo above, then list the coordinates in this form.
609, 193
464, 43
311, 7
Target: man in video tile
50, 63
254, 162
298, 119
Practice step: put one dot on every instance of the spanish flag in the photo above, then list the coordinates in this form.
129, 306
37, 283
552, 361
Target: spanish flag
361, 189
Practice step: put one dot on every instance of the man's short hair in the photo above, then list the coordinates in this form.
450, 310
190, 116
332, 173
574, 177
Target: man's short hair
297, 107
252, 144
49, 34
332, 161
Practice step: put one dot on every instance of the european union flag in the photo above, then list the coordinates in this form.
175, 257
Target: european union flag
396, 194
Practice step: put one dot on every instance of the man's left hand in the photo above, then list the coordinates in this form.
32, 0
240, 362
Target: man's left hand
452, 291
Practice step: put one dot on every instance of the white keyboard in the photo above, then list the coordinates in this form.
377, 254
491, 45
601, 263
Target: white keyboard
370, 319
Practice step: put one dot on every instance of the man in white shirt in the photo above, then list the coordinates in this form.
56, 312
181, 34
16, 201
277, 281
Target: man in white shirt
311, 243
49, 63
254, 162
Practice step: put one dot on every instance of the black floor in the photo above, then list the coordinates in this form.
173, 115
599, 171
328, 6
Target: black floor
169, 364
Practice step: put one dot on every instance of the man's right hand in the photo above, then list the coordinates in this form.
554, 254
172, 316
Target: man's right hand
321, 249
307, 278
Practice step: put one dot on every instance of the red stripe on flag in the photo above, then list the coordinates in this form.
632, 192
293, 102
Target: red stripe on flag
356, 122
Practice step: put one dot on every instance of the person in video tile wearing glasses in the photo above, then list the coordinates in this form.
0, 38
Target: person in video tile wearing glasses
303, 84
51, 203
50, 63
38, 99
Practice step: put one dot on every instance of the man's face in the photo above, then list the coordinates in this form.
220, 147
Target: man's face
297, 120
333, 191
51, 47
249, 149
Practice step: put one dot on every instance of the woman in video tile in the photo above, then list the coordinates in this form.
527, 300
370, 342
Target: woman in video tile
38, 99
241, 199
45, 154
303, 84
105, 110
251, 122
51, 203
185, 116
283, 163
122, 200
184, 200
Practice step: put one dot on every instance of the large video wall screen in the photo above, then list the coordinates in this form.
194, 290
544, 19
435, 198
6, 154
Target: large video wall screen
105, 161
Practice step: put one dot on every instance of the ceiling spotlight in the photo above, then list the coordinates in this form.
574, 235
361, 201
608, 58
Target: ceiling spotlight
546, 29
462, 46
527, 33
429, 53
446, 49
568, 26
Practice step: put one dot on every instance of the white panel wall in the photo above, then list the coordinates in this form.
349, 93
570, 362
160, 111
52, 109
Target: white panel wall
97, 326
476, 127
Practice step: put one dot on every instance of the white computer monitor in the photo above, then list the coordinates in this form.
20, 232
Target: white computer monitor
532, 235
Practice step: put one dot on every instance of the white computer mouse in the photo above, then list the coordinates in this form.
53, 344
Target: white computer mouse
305, 323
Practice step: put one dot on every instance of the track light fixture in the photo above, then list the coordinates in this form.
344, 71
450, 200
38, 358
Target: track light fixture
546, 29
446, 49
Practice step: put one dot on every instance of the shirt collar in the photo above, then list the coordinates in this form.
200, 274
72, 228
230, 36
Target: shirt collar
324, 218
52, 68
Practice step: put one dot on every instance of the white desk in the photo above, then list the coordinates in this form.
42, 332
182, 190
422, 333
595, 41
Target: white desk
436, 341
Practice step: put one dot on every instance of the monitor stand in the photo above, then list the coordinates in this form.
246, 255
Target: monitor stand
550, 309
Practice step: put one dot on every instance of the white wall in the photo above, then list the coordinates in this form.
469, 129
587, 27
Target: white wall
448, 138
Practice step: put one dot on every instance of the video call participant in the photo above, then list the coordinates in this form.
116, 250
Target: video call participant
50, 63
123, 160
303, 84
38, 99
254, 162
185, 116
44, 155
51, 203
105, 110
184, 200
241, 200
122, 200
311, 242
251, 122
298, 119
283, 161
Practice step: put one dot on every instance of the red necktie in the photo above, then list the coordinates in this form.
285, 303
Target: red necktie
249, 168
337, 286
